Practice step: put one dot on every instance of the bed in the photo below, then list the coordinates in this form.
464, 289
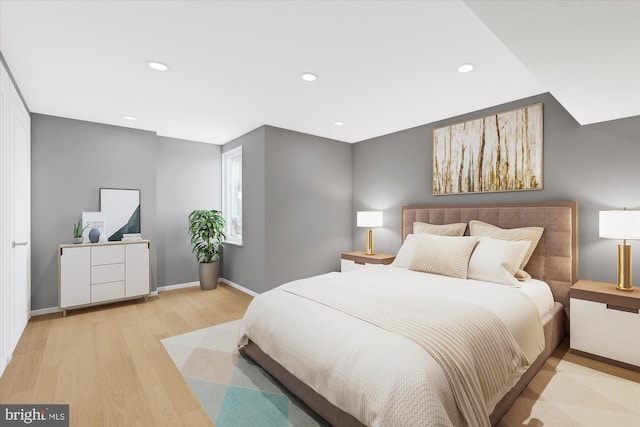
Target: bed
329, 348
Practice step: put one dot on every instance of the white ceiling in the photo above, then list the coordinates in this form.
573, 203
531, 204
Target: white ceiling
383, 66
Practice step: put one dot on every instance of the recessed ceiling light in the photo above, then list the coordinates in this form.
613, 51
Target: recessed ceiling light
338, 123
465, 68
158, 66
129, 118
309, 77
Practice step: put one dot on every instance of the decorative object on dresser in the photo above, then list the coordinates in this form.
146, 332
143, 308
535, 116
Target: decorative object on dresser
91, 220
605, 323
369, 219
621, 225
122, 207
94, 235
99, 273
128, 237
355, 260
207, 230
77, 232
502, 152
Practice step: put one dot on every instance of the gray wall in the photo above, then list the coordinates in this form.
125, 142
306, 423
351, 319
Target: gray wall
308, 204
300, 192
72, 159
188, 178
595, 165
297, 215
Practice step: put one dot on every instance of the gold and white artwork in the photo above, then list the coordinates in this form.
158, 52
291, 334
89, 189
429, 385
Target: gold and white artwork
502, 152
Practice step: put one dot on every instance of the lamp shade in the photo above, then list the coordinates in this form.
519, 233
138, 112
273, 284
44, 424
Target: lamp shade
621, 225
369, 219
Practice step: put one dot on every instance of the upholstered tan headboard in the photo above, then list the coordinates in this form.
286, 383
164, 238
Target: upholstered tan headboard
555, 259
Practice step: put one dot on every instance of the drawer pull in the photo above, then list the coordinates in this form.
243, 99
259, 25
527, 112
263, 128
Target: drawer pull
359, 262
627, 309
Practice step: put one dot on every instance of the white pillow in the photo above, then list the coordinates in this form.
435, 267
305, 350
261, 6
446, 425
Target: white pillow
529, 234
497, 261
454, 229
444, 255
403, 258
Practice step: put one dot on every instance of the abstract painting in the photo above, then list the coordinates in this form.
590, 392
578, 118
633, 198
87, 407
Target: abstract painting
122, 207
502, 152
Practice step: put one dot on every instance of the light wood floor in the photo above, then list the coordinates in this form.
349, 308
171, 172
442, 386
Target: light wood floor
108, 363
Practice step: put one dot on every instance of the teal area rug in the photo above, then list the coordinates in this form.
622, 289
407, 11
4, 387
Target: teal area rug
232, 389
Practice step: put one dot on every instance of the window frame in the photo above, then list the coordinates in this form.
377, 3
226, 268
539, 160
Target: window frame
227, 158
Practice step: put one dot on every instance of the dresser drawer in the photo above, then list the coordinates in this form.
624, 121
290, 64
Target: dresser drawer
607, 332
107, 273
107, 291
107, 254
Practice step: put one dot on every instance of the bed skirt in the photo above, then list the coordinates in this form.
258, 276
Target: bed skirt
553, 325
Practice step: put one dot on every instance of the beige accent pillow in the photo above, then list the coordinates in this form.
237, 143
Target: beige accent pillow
403, 258
497, 261
455, 229
444, 255
530, 234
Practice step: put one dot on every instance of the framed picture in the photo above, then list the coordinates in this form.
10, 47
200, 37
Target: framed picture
122, 207
93, 220
502, 152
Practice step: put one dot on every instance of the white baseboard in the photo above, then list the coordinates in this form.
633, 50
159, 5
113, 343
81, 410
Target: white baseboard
238, 287
42, 311
178, 286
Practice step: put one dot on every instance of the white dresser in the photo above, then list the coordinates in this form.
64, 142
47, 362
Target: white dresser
98, 273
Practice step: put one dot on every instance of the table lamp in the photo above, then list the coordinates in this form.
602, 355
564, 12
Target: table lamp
369, 219
622, 225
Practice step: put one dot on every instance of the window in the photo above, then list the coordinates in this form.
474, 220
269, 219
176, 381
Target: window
232, 194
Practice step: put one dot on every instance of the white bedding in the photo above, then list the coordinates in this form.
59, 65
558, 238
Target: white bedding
539, 292
381, 378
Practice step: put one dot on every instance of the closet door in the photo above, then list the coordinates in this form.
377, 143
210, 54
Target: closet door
5, 231
20, 143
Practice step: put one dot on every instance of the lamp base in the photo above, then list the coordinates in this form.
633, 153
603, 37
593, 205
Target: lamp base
369, 250
624, 268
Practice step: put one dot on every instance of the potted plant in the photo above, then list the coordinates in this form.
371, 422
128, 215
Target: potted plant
77, 232
207, 230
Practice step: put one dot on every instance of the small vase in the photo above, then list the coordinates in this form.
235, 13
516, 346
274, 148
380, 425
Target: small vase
77, 240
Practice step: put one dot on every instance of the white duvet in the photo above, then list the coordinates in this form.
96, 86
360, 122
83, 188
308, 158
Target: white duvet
379, 377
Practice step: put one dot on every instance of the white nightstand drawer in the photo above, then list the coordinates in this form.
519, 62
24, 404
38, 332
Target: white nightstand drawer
606, 332
107, 291
348, 265
107, 254
107, 273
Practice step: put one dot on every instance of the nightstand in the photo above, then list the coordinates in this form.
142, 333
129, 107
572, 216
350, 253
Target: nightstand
605, 323
355, 260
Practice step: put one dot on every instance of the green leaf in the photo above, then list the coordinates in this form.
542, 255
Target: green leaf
207, 232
